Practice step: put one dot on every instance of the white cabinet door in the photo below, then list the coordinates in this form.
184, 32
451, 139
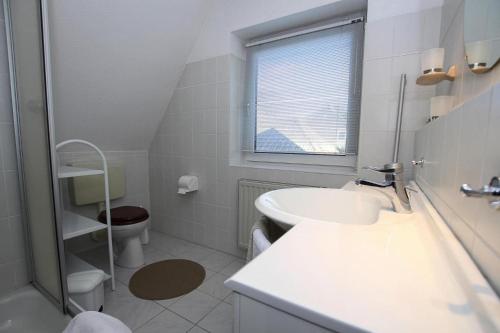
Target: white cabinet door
255, 317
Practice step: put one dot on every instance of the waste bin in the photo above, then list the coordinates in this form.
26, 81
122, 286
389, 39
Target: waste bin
86, 288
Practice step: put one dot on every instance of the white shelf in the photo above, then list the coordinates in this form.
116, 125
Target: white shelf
66, 171
75, 264
76, 225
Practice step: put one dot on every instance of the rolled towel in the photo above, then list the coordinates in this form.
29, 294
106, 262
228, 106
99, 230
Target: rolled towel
95, 322
263, 233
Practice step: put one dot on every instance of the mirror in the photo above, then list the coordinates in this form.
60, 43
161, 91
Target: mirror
482, 34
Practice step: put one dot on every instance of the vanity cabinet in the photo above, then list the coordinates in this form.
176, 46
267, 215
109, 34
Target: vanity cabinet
251, 316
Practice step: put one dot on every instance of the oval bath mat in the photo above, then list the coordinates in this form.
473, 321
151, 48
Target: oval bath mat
166, 279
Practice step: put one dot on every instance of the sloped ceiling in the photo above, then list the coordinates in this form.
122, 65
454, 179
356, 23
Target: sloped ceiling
115, 65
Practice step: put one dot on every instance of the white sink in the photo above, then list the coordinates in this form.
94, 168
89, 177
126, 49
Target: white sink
293, 205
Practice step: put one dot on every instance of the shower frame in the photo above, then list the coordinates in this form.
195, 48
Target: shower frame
60, 300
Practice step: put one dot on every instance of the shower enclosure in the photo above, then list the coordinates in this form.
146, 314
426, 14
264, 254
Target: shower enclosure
28, 54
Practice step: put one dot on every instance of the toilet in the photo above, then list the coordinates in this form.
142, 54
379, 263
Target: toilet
128, 226
128, 223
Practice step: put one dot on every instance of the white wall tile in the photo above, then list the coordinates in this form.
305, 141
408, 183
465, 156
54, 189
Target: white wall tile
381, 80
7, 277
434, 153
195, 139
409, 33
492, 153
377, 77
415, 113
379, 36
223, 68
5, 105
431, 28
3, 196
12, 187
462, 147
384, 61
376, 110
5, 237
471, 153
450, 156
8, 147
13, 266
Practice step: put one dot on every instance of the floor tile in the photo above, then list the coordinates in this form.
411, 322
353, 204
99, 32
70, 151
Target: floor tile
178, 314
168, 302
229, 299
220, 320
166, 243
155, 256
194, 306
192, 252
214, 286
217, 261
208, 274
133, 311
124, 274
166, 322
233, 267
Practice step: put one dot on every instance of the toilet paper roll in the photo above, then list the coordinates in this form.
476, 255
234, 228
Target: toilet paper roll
187, 184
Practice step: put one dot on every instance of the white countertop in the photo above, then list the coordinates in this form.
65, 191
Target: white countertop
405, 273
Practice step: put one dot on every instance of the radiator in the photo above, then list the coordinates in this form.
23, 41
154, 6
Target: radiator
248, 191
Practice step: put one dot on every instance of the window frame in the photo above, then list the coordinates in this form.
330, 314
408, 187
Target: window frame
345, 161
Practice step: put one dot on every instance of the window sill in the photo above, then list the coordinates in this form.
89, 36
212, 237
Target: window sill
338, 165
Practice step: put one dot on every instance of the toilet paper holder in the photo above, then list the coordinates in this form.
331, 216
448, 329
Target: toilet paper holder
187, 184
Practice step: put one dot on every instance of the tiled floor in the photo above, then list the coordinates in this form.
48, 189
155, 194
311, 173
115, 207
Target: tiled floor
206, 309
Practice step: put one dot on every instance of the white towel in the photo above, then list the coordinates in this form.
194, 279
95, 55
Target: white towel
260, 243
263, 233
95, 322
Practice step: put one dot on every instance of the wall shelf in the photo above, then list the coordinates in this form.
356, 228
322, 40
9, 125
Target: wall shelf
75, 225
66, 171
436, 77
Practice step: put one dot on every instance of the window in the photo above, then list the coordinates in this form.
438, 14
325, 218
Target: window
303, 93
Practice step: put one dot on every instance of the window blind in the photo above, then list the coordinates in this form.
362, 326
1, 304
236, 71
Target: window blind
304, 92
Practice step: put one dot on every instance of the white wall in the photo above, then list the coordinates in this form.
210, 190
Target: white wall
467, 84
227, 16
193, 139
13, 265
382, 9
195, 134
462, 148
392, 47
115, 65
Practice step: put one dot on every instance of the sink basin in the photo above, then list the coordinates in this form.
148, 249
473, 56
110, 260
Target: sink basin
290, 206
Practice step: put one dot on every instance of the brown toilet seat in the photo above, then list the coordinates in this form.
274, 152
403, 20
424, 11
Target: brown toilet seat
125, 215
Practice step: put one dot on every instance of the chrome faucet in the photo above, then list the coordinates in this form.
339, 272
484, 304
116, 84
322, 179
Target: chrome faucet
491, 192
393, 177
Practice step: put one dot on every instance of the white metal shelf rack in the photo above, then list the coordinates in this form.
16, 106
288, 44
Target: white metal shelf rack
76, 225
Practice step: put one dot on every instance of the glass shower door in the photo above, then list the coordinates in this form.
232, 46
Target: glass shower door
33, 138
